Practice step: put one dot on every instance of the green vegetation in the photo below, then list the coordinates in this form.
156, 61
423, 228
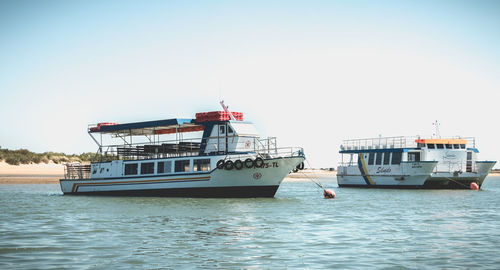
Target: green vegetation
23, 156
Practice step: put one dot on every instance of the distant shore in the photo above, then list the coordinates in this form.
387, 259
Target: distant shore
31, 173
51, 173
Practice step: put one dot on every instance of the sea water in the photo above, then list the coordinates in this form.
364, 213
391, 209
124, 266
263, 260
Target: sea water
360, 229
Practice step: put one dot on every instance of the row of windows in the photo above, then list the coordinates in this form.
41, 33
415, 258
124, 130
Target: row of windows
199, 165
443, 146
385, 158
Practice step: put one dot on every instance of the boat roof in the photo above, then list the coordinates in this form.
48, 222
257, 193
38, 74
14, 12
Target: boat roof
148, 127
442, 141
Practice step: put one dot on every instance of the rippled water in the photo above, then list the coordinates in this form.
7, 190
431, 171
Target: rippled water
377, 228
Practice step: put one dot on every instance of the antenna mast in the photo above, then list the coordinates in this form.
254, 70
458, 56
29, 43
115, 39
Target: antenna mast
436, 130
227, 110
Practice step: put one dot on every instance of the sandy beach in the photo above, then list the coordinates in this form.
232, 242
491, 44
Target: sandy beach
31, 173
51, 173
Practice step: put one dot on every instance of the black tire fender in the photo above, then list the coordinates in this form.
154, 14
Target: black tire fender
300, 166
229, 165
258, 162
238, 165
220, 164
249, 163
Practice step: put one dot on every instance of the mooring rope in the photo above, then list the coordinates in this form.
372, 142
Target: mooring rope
457, 182
313, 178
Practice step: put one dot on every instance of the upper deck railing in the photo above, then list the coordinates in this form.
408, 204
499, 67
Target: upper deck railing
266, 147
392, 142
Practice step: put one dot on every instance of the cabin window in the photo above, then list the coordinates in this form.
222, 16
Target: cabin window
164, 166
201, 165
414, 156
462, 146
439, 146
387, 158
456, 146
420, 144
131, 169
371, 158
229, 130
396, 158
378, 159
448, 146
222, 129
148, 168
431, 146
182, 166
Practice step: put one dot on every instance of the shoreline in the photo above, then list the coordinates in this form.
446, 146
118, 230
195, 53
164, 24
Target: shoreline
7, 179
51, 173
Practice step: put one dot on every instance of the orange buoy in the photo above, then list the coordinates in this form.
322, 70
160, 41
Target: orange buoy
474, 186
328, 194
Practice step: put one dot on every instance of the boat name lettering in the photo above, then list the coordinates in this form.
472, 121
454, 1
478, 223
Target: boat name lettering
449, 155
383, 170
273, 164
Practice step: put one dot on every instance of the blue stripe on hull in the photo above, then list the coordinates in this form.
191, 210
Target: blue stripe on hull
362, 170
213, 192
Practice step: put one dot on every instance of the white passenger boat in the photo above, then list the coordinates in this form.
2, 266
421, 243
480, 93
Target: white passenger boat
411, 162
217, 154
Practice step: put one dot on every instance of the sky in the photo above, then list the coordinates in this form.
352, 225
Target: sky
311, 73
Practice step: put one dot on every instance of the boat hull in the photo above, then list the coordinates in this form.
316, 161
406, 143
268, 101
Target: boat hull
244, 183
456, 180
405, 175
201, 192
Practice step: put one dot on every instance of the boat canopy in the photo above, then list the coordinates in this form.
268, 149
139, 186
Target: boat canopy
165, 126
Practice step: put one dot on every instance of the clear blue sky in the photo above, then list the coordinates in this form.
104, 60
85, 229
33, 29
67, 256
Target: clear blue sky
309, 72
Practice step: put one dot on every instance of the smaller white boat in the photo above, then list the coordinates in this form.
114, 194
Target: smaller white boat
411, 162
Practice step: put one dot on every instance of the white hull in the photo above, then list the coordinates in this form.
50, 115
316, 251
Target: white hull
253, 182
405, 175
460, 180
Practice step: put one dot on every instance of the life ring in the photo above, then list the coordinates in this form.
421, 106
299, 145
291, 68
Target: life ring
220, 164
249, 163
229, 165
300, 166
258, 162
238, 165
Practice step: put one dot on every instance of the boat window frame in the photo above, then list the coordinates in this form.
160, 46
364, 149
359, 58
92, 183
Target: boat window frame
387, 158
185, 166
448, 146
439, 146
456, 146
462, 146
378, 158
371, 158
128, 172
431, 146
397, 157
415, 156
150, 166
198, 165
167, 166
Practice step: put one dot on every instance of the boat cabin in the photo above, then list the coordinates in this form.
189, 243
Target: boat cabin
454, 154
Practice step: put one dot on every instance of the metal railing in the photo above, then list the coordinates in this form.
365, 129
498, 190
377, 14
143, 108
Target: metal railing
76, 171
392, 142
266, 147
